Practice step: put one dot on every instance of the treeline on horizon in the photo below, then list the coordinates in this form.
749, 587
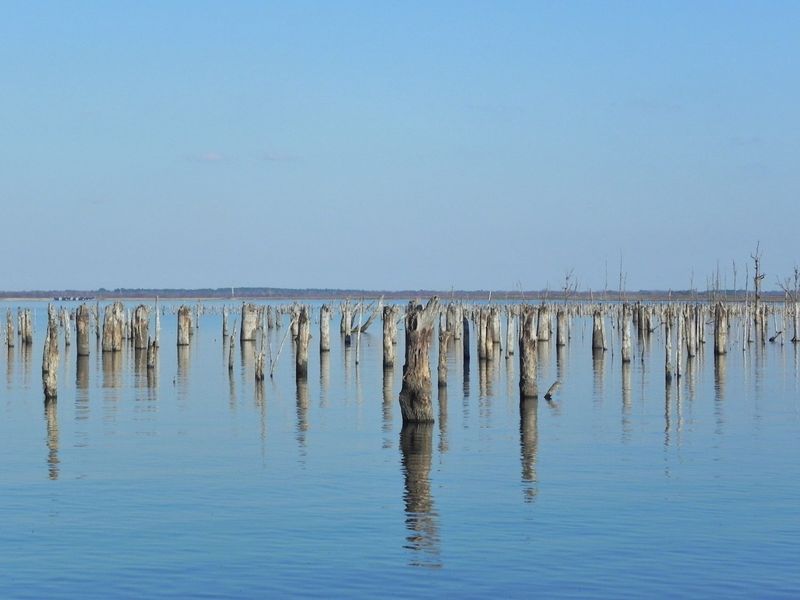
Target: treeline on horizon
332, 293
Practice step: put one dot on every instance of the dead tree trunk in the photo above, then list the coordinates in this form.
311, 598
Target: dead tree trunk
249, 323
415, 395
184, 325
152, 348
225, 331
441, 370
598, 331
543, 326
113, 323
65, 320
10, 329
720, 330
141, 326
50, 356
509, 332
562, 331
324, 328
626, 333
527, 353
82, 329
389, 334
303, 334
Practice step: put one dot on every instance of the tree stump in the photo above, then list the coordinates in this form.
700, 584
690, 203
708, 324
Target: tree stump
415, 394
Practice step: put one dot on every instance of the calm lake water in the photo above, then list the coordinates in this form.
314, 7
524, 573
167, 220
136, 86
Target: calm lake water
193, 483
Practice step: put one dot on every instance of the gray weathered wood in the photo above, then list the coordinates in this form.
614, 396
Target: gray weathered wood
415, 394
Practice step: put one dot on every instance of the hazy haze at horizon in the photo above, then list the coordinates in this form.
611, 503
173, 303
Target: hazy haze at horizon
397, 145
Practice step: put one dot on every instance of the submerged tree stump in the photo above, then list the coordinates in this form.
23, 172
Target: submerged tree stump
50, 356
325, 328
249, 323
82, 320
389, 334
441, 369
720, 329
562, 331
303, 335
113, 324
415, 394
626, 333
9, 329
184, 325
527, 353
543, 326
141, 325
598, 331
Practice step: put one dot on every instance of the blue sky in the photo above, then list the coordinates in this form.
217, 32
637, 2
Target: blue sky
397, 144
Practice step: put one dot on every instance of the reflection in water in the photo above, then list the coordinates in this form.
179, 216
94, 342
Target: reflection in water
325, 377
51, 416
465, 411
719, 390
25, 353
561, 356
443, 445
529, 445
10, 367
667, 413
112, 373
388, 402
82, 374
302, 413
627, 385
486, 386
598, 364
416, 445
139, 368
184, 363
543, 361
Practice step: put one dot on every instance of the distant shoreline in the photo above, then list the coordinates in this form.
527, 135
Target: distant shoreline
283, 294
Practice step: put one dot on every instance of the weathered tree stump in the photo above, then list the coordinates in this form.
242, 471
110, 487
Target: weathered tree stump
415, 394
325, 328
543, 325
598, 331
113, 323
389, 334
626, 334
50, 356
225, 331
184, 325
441, 370
247, 332
152, 349
141, 325
303, 335
527, 353
562, 332
720, 329
82, 329
9, 329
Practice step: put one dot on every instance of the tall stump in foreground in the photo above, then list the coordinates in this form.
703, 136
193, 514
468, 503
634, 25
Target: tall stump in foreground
247, 333
415, 395
113, 325
141, 325
325, 328
389, 335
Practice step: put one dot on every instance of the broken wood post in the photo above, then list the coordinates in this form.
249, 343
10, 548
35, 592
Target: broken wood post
415, 394
389, 333
225, 331
184, 325
249, 323
9, 329
562, 333
113, 323
295, 325
441, 369
141, 325
720, 329
543, 327
50, 356
626, 333
230, 350
509, 332
65, 321
527, 353
598, 331
301, 354
151, 354
325, 328
82, 329
668, 345
465, 337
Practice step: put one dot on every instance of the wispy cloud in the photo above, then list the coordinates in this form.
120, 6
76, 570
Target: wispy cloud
211, 157
271, 156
